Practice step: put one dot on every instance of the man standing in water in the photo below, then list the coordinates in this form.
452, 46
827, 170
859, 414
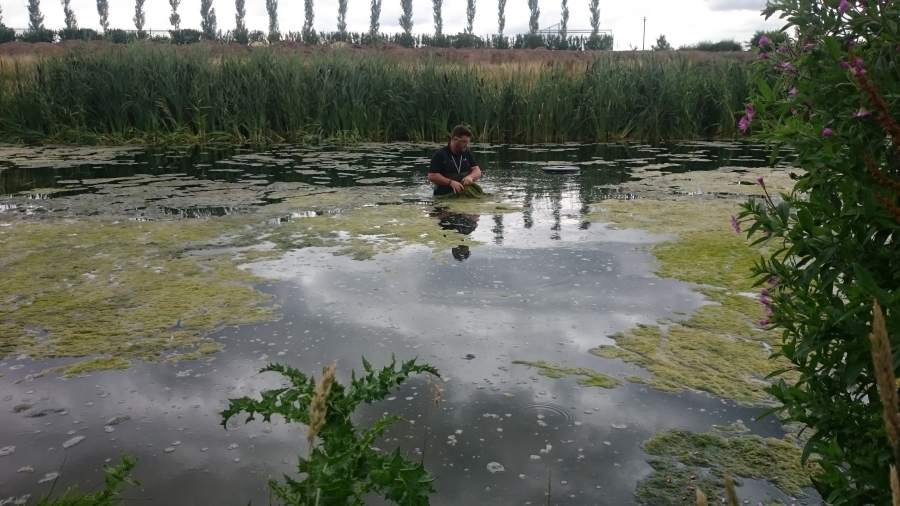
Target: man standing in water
453, 167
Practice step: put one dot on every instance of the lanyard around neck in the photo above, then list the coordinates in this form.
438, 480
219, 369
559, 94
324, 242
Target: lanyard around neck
458, 167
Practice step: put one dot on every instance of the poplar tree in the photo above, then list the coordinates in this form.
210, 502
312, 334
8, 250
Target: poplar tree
406, 21
308, 18
438, 18
139, 18
71, 21
342, 16
272, 9
240, 23
535, 14
208, 19
374, 17
595, 17
103, 11
564, 21
470, 15
501, 16
174, 18
35, 18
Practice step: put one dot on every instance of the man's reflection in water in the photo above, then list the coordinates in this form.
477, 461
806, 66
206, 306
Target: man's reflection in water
463, 223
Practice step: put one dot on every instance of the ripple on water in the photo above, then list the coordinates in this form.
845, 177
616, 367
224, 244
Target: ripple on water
542, 415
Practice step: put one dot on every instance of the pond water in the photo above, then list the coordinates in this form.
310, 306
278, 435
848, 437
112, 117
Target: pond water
537, 283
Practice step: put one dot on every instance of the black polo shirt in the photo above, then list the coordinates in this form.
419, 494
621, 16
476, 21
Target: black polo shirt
451, 166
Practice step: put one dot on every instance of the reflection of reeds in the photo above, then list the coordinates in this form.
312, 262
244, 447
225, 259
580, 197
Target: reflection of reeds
883, 359
155, 93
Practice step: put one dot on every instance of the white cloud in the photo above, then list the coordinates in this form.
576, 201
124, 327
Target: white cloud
736, 5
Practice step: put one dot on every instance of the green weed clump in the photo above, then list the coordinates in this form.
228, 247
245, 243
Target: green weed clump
116, 479
589, 378
685, 461
169, 94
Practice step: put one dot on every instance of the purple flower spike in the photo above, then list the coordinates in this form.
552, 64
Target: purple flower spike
767, 234
793, 91
743, 124
761, 182
784, 49
764, 41
861, 113
787, 66
769, 311
843, 6
751, 112
772, 281
735, 225
764, 292
827, 132
807, 47
763, 56
845, 65
763, 323
764, 301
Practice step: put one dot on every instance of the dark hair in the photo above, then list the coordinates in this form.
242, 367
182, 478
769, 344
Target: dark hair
460, 131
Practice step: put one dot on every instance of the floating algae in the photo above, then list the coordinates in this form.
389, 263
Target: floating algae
90, 365
684, 460
721, 348
589, 378
472, 191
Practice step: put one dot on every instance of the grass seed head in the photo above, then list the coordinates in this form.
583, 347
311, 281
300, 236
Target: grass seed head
318, 409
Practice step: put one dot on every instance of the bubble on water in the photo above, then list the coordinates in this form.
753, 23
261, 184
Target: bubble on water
607, 443
236, 460
7, 450
169, 449
183, 374
579, 424
542, 423
495, 467
499, 429
232, 446
233, 424
535, 457
391, 398
546, 449
267, 429
72, 442
26, 469
459, 431
522, 476
564, 482
88, 404
176, 443
49, 477
409, 398
625, 425
203, 449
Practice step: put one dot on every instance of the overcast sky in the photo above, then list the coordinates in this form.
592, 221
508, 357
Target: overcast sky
682, 21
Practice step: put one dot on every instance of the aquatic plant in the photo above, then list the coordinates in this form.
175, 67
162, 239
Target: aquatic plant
345, 466
684, 461
116, 479
833, 236
166, 95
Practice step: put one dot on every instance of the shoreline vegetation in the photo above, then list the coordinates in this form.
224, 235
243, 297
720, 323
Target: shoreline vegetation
163, 94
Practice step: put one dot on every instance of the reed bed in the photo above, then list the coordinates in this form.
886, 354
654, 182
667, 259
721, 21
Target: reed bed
161, 94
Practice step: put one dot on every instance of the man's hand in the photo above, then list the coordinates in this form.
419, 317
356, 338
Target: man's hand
467, 181
456, 186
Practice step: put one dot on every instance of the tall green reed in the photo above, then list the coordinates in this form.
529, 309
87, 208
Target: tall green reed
166, 94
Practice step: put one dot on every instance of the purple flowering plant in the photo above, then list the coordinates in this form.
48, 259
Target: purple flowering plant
832, 238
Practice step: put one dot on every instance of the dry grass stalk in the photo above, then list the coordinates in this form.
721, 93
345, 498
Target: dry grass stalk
895, 485
701, 498
730, 493
884, 374
318, 408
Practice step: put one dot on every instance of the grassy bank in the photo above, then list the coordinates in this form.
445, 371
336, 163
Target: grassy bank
164, 94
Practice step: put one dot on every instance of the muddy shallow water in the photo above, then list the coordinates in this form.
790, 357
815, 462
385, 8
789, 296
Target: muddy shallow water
536, 283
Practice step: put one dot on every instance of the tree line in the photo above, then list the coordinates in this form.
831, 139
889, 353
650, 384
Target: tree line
37, 31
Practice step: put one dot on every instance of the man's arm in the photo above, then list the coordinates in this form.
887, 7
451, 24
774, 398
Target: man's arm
438, 178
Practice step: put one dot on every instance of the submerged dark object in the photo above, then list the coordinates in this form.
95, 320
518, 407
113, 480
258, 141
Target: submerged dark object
468, 356
561, 169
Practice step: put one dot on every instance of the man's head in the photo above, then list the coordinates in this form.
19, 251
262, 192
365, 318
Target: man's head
459, 138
